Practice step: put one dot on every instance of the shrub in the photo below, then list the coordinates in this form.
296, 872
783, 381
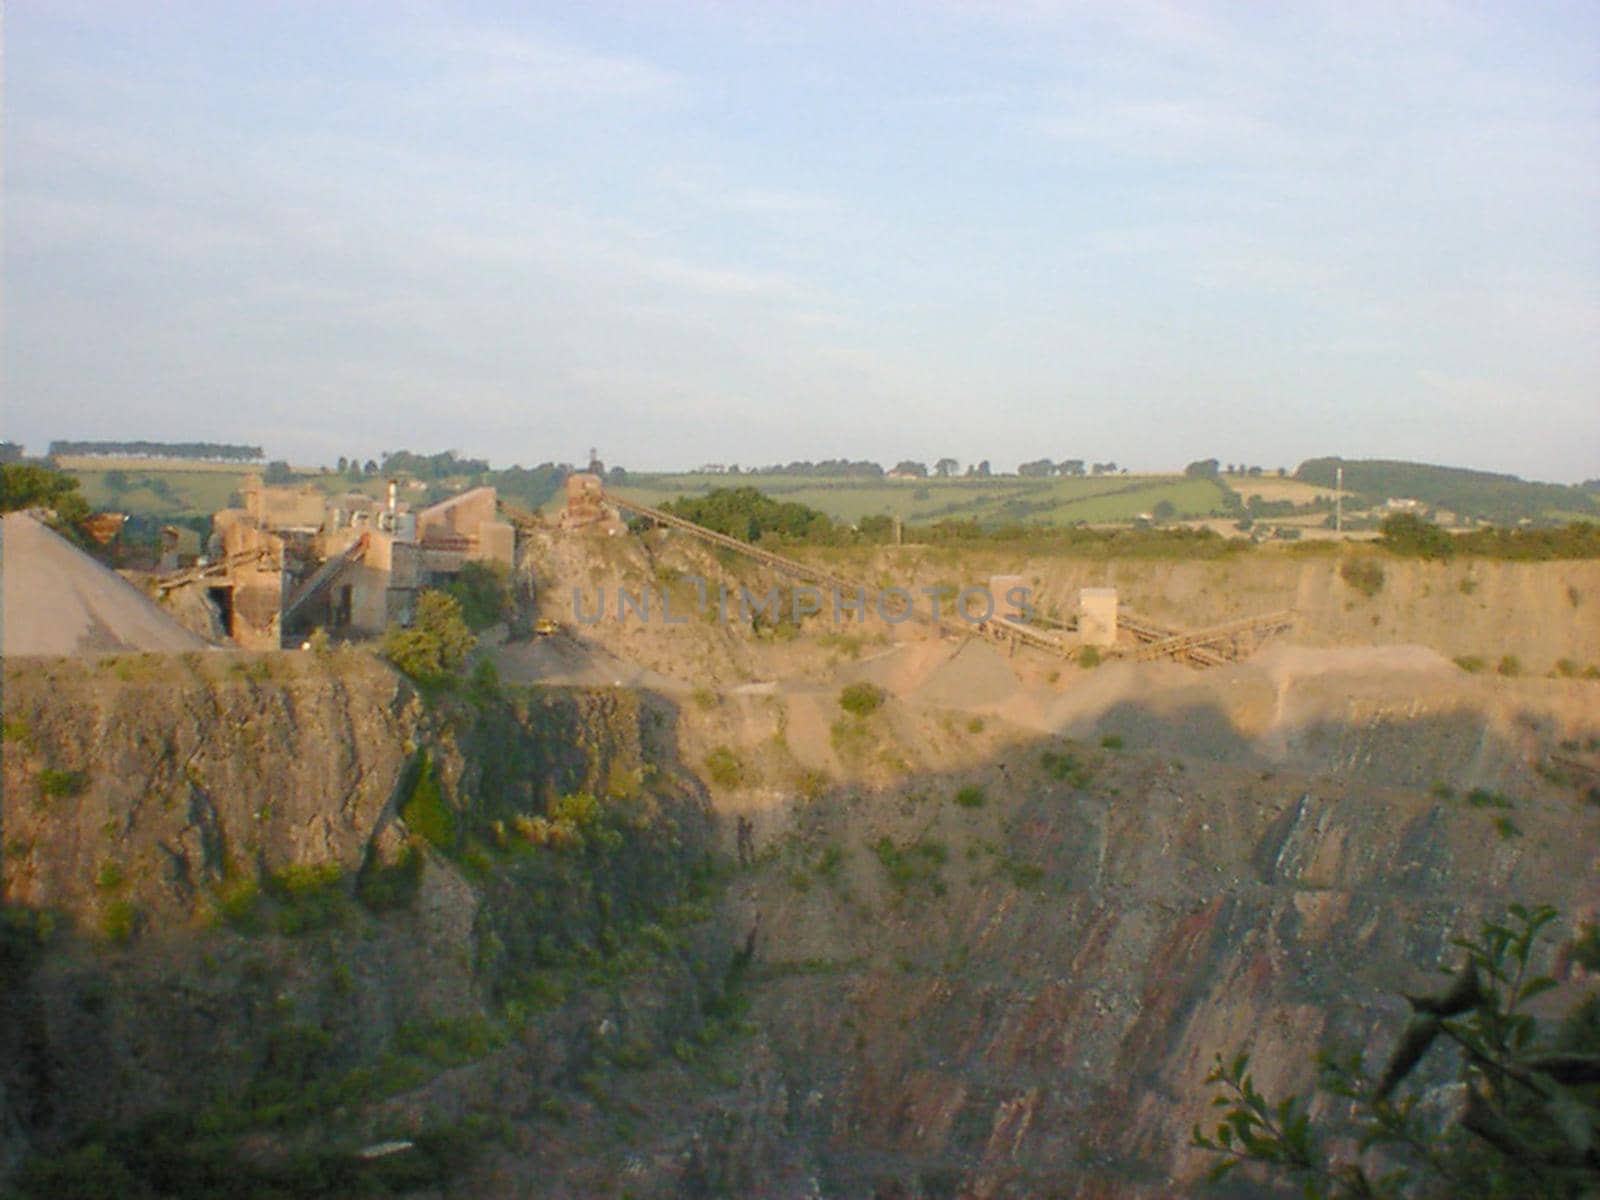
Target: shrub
724, 767
704, 697
970, 796
1526, 1127
382, 887
118, 920
1089, 657
110, 876
483, 593
57, 784
1066, 766
861, 699
915, 864
1509, 665
1567, 668
1112, 741
1365, 575
1471, 663
975, 725
310, 898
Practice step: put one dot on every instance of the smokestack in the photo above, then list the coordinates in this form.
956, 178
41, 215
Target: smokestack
394, 496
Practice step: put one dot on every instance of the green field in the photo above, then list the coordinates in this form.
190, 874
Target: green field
171, 492
1095, 499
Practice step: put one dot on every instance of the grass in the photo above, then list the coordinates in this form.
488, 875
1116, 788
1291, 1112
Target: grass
1112, 741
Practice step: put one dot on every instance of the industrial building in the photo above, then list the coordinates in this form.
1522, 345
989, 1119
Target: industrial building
294, 559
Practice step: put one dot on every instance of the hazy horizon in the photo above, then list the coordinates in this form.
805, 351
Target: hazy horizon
1137, 232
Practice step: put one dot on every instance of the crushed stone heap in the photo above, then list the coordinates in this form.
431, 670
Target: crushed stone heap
55, 599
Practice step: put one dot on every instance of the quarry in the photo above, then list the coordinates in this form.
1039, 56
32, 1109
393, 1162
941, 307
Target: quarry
790, 904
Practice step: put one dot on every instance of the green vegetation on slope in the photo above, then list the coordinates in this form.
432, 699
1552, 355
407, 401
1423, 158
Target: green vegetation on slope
1480, 495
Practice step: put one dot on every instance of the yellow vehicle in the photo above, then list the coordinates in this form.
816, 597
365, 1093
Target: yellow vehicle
544, 627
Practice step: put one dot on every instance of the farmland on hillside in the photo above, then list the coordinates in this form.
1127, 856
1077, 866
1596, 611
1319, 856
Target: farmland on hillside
992, 501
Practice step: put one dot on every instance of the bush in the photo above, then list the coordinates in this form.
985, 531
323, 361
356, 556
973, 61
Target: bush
1526, 1127
1509, 665
118, 920
1365, 575
1471, 663
916, 864
970, 796
1112, 741
724, 767
1066, 766
58, 784
1089, 657
483, 591
862, 699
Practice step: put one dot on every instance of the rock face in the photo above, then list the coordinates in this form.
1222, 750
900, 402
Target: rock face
1016, 992
170, 775
1035, 1012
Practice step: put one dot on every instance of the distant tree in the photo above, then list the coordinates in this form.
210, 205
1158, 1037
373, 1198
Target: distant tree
980, 470
343, 465
223, 451
733, 468
1254, 471
29, 485
1038, 468
1282, 472
10, 452
1164, 510
277, 472
1205, 468
371, 467
946, 467
355, 468
1070, 466
908, 467
116, 482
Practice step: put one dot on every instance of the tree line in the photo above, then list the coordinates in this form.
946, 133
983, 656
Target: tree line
211, 451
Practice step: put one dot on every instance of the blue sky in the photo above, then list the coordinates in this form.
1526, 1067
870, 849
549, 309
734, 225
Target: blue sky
1144, 232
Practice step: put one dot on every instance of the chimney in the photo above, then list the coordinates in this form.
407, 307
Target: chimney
394, 496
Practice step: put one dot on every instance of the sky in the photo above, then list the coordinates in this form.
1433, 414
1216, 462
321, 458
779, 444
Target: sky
1138, 231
